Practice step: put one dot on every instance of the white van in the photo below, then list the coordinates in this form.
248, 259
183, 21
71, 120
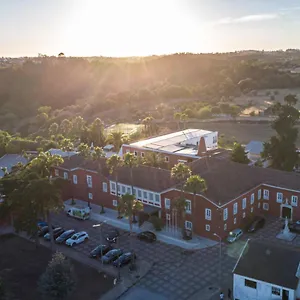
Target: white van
79, 212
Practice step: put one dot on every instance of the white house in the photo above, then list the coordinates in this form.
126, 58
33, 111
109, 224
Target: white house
267, 272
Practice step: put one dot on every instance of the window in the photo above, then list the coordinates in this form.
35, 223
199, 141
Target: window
252, 209
276, 291
123, 190
157, 199
234, 221
235, 208
66, 175
294, 200
113, 188
252, 199
207, 227
167, 159
167, 203
142, 154
244, 203
145, 195
259, 194
188, 206
279, 197
150, 196
250, 283
225, 214
56, 172
75, 179
244, 214
135, 153
266, 206
129, 190
90, 196
168, 217
266, 194
139, 195
104, 187
188, 225
225, 227
134, 191
207, 214
115, 203
89, 181
258, 205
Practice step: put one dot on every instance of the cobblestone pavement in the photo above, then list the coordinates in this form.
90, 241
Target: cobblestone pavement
177, 274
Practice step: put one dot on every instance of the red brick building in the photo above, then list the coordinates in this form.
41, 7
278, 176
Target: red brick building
234, 192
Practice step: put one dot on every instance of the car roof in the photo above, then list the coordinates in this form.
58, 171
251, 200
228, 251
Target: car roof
80, 232
237, 230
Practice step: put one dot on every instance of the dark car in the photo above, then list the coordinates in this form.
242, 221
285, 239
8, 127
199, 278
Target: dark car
147, 236
45, 230
257, 223
63, 237
100, 251
41, 224
294, 227
56, 233
112, 236
124, 259
111, 255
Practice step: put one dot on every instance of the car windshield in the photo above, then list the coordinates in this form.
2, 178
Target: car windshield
74, 237
233, 234
65, 234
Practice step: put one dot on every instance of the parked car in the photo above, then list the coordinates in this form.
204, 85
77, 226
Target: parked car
100, 251
41, 224
56, 233
63, 237
294, 227
147, 236
111, 255
234, 235
45, 230
124, 259
112, 236
77, 238
257, 223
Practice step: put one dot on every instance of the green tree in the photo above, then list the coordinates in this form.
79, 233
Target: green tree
58, 281
153, 159
177, 118
183, 118
78, 126
116, 138
238, 154
281, 148
97, 133
66, 127
180, 173
53, 129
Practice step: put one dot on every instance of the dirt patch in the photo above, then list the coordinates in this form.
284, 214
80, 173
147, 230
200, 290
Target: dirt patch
21, 265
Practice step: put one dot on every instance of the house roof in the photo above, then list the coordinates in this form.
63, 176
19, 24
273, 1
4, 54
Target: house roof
60, 152
10, 160
277, 265
255, 147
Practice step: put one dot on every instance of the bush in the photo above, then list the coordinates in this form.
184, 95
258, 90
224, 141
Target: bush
204, 113
157, 222
252, 113
18, 145
215, 110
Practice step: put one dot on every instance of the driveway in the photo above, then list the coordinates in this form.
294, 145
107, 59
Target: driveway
177, 274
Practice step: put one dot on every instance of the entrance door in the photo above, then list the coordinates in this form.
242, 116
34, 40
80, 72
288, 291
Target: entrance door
285, 295
286, 212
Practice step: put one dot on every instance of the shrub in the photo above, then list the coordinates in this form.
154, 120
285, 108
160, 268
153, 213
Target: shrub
157, 222
204, 113
252, 113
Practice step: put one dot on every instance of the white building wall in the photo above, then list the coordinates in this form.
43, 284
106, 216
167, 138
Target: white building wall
263, 290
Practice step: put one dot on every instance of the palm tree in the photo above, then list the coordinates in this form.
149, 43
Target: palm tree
116, 138
183, 118
114, 163
195, 184
177, 117
153, 159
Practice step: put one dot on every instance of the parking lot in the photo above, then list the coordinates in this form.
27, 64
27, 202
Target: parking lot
177, 274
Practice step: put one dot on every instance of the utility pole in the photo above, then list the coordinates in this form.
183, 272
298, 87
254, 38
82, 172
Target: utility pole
101, 240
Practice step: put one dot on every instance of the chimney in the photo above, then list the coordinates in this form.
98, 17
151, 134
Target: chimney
202, 147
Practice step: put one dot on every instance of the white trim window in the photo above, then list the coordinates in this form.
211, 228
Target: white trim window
234, 221
157, 198
56, 172
145, 195
265, 206
115, 203
75, 179
90, 196
244, 215
139, 194
134, 191
89, 181
167, 203
128, 190
225, 227
123, 189
259, 194
294, 201
225, 214
104, 187
66, 175
279, 197
207, 214
266, 194
113, 188
207, 227
188, 225
252, 198
235, 208
151, 196
276, 291
142, 154
135, 153
188, 206
244, 203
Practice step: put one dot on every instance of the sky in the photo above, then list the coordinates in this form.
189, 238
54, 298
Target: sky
146, 27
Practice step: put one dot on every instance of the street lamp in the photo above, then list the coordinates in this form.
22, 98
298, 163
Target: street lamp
96, 226
220, 258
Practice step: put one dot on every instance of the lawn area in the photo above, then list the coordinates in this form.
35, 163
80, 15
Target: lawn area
125, 128
21, 265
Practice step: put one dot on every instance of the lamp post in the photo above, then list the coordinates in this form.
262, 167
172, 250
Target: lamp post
220, 259
96, 226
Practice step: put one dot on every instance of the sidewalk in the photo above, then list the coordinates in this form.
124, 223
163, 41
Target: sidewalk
165, 236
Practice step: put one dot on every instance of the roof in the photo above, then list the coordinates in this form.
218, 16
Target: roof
227, 180
10, 160
255, 147
61, 153
277, 265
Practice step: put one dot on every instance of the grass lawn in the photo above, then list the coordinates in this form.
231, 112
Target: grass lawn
125, 128
21, 266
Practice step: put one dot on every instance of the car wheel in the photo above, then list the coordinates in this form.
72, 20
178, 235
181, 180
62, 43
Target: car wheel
72, 245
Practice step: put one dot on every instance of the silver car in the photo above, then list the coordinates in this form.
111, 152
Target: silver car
234, 235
